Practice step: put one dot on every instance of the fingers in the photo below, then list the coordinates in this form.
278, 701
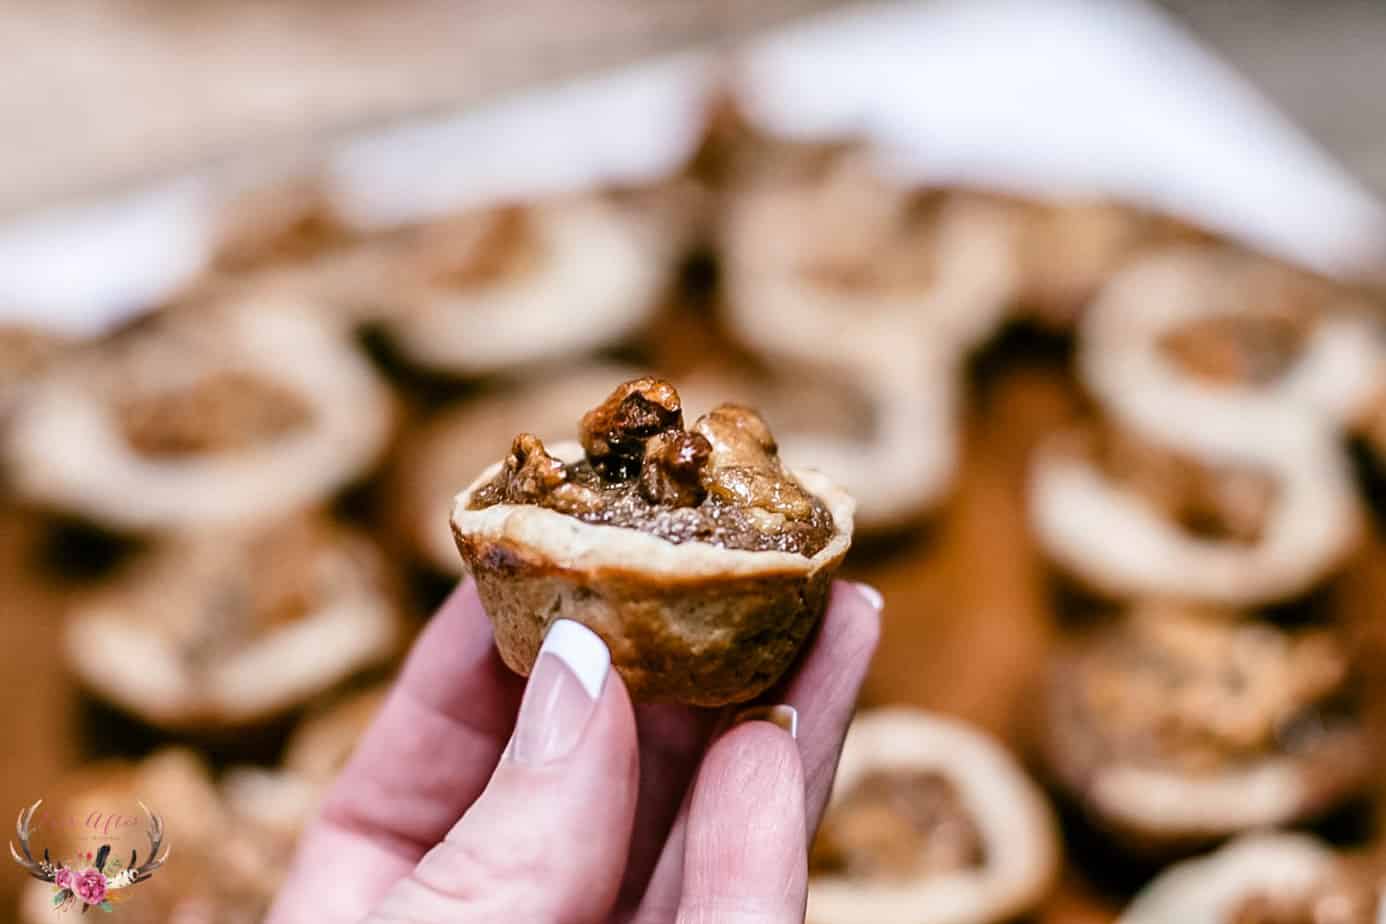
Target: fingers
745, 858
547, 839
425, 758
823, 690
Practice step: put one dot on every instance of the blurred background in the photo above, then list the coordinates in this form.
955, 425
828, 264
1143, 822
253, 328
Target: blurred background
1079, 299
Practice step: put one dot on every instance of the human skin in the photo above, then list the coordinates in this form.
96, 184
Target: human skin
648, 814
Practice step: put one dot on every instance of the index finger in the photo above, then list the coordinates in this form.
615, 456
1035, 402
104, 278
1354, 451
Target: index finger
423, 761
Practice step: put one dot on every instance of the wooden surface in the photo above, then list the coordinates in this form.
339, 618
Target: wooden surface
968, 616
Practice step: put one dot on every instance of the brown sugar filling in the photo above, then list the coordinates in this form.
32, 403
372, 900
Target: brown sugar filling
898, 825
720, 482
477, 248
1198, 692
1215, 502
1251, 348
1350, 896
224, 412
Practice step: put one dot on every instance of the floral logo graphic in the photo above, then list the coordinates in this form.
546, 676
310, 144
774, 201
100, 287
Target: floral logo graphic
89, 881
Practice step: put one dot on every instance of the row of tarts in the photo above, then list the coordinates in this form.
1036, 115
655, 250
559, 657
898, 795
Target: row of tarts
1202, 512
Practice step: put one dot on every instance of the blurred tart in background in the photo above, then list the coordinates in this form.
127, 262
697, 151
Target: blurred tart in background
698, 557
232, 417
1066, 250
512, 285
287, 242
225, 630
1202, 337
1173, 727
832, 257
1245, 525
460, 440
1265, 878
930, 821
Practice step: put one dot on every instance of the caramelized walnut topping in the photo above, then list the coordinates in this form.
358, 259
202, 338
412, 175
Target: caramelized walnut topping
615, 432
475, 249
898, 825
1214, 502
1197, 691
1352, 897
1241, 349
224, 412
721, 482
673, 469
745, 466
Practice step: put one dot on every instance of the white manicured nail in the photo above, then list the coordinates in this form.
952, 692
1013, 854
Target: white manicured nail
872, 595
561, 695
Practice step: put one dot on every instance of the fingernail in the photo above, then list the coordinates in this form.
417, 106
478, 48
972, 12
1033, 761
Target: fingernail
783, 715
872, 595
561, 695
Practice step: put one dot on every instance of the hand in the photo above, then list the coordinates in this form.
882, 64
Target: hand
595, 811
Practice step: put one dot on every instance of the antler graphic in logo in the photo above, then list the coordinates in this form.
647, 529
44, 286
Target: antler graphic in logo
91, 885
43, 870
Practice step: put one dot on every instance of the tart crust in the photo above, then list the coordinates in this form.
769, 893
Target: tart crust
67, 449
598, 277
1336, 374
773, 306
690, 622
127, 642
1118, 544
1011, 815
1208, 889
1161, 811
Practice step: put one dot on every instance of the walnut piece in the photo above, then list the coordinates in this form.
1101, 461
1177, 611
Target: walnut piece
530, 472
615, 432
744, 467
673, 469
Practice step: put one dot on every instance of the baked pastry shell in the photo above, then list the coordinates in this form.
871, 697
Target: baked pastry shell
1160, 813
693, 623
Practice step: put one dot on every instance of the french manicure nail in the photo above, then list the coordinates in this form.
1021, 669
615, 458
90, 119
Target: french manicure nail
783, 715
872, 595
561, 695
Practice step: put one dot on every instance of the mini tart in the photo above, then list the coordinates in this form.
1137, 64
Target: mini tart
1220, 337
227, 630
835, 258
228, 842
1066, 252
1217, 520
461, 440
509, 286
25, 353
930, 822
287, 242
233, 417
1174, 727
687, 618
888, 433
1263, 878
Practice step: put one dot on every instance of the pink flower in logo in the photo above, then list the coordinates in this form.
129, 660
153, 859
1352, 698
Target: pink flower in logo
63, 878
90, 886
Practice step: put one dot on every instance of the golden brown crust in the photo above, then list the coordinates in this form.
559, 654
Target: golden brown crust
691, 623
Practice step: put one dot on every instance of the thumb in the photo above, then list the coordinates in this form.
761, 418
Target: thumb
547, 839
